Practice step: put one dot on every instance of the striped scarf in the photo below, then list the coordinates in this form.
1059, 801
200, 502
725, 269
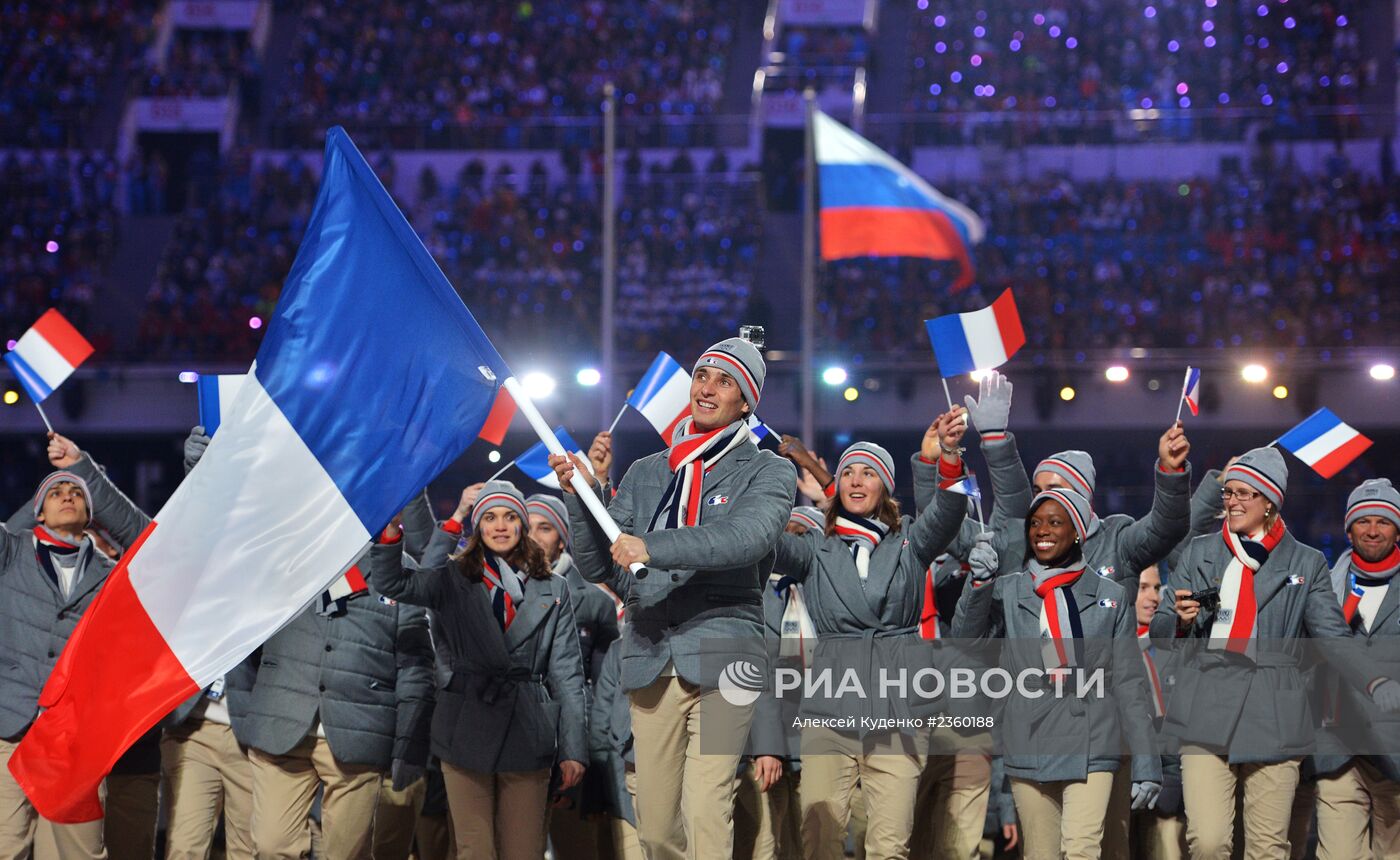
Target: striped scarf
862, 536
1061, 634
1367, 583
46, 546
1236, 626
1159, 704
798, 635
504, 587
691, 456
337, 597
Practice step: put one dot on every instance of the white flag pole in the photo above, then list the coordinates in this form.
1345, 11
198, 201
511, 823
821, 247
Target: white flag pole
43, 416
501, 471
620, 413
578, 482
1180, 401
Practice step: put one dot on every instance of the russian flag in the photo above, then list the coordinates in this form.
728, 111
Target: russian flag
216, 396
979, 340
47, 354
535, 461
373, 376
663, 395
1191, 390
873, 206
1325, 442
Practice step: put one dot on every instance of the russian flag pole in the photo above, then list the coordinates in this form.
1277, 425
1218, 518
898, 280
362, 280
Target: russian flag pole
581, 486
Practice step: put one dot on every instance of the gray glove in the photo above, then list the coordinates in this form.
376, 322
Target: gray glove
991, 411
403, 774
983, 558
1145, 794
195, 443
1387, 696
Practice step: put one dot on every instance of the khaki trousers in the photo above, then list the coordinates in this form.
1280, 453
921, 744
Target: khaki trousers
396, 819
626, 846
670, 718
1117, 825
889, 780
129, 816
1358, 814
206, 772
762, 820
1157, 837
1300, 820
497, 816
950, 811
23, 834
855, 831
434, 837
1063, 819
1209, 784
284, 787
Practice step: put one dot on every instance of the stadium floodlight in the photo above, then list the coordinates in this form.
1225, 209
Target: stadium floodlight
1067, 393
494, 456
589, 377
851, 394
538, 385
1382, 372
1254, 373
189, 377
1116, 373
1281, 392
834, 375
11, 397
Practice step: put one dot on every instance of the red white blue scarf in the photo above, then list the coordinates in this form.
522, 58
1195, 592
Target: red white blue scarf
350, 584
1367, 583
46, 546
862, 535
691, 456
503, 586
1061, 634
1236, 626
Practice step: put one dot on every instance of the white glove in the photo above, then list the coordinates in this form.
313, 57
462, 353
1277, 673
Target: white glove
195, 444
1145, 794
983, 558
1387, 696
991, 411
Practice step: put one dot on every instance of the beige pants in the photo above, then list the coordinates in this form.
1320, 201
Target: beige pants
1300, 819
1063, 819
672, 720
951, 810
626, 846
396, 819
855, 831
1209, 785
23, 834
762, 820
206, 772
434, 835
1117, 825
283, 789
889, 779
1157, 837
129, 816
1358, 814
497, 816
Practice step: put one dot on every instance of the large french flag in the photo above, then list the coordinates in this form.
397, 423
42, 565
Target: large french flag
873, 206
1325, 442
663, 395
372, 377
979, 340
47, 354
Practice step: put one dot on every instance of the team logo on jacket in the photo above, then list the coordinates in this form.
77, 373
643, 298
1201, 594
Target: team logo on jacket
1296, 579
1106, 571
741, 683
712, 501
1108, 603
388, 601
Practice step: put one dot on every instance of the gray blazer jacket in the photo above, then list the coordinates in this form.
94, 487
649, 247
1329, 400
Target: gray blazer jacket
596, 617
700, 606
514, 700
1088, 734
610, 736
1253, 712
35, 618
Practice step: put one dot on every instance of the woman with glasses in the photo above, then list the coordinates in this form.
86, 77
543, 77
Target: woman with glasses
1242, 599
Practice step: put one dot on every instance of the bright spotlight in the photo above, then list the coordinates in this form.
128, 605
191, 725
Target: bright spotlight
834, 375
538, 385
11, 397
851, 394
1281, 392
1116, 373
1382, 372
494, 456
188, 376
1067, 393
589, 377
255, 323
978, 375
1254, 373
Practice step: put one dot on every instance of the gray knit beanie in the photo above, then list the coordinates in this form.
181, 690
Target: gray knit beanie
869, 454
1076, 467
1374, 498
742, 361
551, 508
499, 494
1263, 469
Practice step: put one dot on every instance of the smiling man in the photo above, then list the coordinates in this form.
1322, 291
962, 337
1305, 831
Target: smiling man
703, 517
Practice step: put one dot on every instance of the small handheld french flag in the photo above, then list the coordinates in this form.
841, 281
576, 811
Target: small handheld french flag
1325, 442
47, 354
966, 487
979, 340
535, 461
1191, 390
663, 395
216, 395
